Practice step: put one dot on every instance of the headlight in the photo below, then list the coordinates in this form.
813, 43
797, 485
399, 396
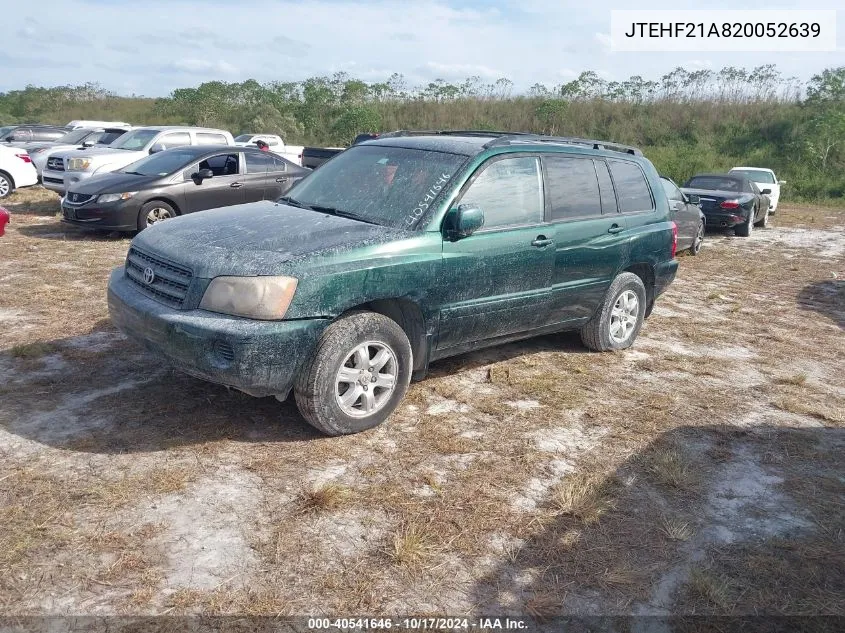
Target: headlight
78, 164
114, 197
265, 298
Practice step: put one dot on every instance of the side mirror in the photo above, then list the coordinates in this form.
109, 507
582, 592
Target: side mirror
158, 147
463, 221
693, 199
766, 192
781, 182
88, 144
202, 174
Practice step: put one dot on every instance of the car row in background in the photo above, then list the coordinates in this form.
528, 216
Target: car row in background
65, 169
81, 138
730, 201
175, 182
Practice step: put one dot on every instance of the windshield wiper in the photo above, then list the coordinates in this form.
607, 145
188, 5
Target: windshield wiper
134, 173
326, 210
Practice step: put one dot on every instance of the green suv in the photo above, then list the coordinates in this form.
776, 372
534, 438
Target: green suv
398, 252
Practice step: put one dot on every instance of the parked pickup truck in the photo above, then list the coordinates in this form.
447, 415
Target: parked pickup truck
67, 168
293, 153
313, 157
77, 139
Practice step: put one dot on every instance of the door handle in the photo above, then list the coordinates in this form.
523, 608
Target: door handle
541, 241
616, 229
235, 185
281, 179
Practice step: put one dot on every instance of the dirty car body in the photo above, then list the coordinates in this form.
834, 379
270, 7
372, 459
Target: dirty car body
408, 248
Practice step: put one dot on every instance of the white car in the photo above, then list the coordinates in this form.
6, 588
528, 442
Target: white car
764, 179
66, 168
75, 125
81, 138
16, 170
293, 153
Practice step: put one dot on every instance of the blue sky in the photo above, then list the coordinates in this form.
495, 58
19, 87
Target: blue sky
150, 47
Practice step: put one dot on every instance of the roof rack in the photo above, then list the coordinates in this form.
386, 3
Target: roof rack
564, 140
452, 133
507, 138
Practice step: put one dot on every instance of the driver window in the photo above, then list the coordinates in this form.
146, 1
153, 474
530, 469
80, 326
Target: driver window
222, 165
509, 192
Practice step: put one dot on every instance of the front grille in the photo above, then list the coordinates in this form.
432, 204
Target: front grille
169, 281
55, 164
77, 198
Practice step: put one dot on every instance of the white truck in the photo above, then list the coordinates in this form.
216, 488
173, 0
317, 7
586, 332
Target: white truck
293, 153
75, 125
764, 179
64, 169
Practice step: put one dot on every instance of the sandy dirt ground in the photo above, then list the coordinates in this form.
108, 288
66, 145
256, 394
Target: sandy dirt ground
700, 471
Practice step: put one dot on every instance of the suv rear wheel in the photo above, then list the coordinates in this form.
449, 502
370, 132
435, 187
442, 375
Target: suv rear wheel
357, 376
617, 322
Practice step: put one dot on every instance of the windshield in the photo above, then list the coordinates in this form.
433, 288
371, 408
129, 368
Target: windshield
110, 136
72, 138
162, 163
755, 175
135, 140
243, 138
714, 183
391, 186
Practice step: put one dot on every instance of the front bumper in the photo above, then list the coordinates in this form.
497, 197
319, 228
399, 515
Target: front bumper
121, 215
261, 358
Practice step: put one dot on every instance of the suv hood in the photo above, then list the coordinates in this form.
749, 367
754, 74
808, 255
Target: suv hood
100, 151
256, 238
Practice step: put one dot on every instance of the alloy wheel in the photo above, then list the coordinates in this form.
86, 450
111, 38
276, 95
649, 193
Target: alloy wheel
624, 316
366, 379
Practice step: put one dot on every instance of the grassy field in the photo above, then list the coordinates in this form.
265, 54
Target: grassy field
698, 472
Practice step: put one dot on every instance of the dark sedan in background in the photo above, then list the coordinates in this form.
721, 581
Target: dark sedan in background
730, 201
178, 181
687, 215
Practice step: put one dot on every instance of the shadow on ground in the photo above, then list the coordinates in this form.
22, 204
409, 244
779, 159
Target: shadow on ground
709, 520
826, 298
102, 393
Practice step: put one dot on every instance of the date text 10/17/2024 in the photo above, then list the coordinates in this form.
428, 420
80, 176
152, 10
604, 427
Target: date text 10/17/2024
458, 624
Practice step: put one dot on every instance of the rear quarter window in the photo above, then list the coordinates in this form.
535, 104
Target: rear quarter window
632, 190
207, 138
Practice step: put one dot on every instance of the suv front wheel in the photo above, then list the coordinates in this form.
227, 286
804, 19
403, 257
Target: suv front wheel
357, 376
618, 320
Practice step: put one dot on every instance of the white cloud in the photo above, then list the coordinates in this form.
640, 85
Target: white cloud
462, 71
604, 40
205, 66
700, 63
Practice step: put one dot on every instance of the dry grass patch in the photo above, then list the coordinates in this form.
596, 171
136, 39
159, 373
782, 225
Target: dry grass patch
676, 529
585, 496
324, 497
29, 351
670, 467
411, 546
794, 379
713, 590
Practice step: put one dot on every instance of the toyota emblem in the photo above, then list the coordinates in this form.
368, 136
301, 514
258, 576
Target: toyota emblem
149, 276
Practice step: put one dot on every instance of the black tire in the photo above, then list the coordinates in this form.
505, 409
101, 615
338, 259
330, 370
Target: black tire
698, 240
596, 334
745, 230
165, 212
317, 387
764, 221
7, 184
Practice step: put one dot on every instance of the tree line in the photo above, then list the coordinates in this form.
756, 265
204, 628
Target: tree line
685, 121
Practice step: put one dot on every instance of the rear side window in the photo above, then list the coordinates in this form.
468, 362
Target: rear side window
631, 187
175, 139
573, 187
509, 192
258, 163
206, 138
